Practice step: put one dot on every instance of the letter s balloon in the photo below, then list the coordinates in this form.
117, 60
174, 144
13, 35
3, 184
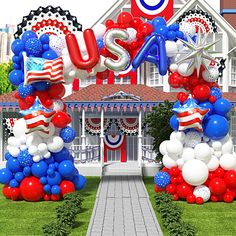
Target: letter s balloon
75, 52
110, 44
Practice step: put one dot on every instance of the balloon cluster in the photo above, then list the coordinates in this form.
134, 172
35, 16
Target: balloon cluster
39, 164
199, 155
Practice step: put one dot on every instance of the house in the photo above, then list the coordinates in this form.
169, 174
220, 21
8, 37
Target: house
108, 115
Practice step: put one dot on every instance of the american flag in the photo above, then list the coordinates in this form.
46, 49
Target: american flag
39, 69
190, 115
37, 117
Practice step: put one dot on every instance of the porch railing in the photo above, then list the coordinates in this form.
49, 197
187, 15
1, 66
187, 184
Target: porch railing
148, 154
82, 155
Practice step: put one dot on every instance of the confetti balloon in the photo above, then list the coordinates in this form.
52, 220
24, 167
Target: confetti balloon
162, 179
202, 191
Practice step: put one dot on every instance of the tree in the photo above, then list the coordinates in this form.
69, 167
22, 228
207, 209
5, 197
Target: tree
5, 85
158, 124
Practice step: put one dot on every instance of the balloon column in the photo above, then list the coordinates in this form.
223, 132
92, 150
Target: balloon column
199, 160
39, 164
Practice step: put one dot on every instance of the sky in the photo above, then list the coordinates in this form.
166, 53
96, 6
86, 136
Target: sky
86, 11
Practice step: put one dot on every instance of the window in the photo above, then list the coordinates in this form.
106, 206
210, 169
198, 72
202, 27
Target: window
233, 127
125, 80
155, 79
88, 81
233, 71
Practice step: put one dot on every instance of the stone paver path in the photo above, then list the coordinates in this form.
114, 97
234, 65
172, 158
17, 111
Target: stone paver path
123, 208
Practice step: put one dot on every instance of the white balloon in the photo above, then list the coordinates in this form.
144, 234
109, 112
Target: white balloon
57, 105
22, 139
57, 44
51, 131
202, 151
174, 147
19, 128
36, 158
43, 148
33, 139
202, 191
162, 147
132, 34
47, 155
23, 147
180, 163
14, 151
180, 136
184, 70
211, 74
55, 144
168, 162
195, 172
216, 145
171, 48
173, 67
192, 138
188, 154
13, 141
213, 164
228, 161
228, 147
99, 30
33, 150
218, 154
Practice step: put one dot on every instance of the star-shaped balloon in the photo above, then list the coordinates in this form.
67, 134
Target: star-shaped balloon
190, 115
198, 52
37, 117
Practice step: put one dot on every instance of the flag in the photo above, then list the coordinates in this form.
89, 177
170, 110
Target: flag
42, 70
152, 8
37, 117
190, 115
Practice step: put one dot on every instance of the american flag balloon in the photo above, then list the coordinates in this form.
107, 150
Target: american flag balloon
37, 117
39, 69
190, 115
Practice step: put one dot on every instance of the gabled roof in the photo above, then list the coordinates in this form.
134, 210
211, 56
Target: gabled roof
205, 7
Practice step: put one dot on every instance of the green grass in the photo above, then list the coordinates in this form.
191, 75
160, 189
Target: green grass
210, 219
27, 218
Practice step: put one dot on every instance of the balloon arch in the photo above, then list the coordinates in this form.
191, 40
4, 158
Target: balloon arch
49, 51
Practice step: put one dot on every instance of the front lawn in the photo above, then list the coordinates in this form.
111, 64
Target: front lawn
210, 219
27, 218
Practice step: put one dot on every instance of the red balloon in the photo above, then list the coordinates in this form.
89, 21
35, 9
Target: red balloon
174, 180
191, 198
109, 23
185, 80
175, 197
15, 194
60, 119
201, 92
228, 197
22, 104
170, 188
16, 95
180, 179
136, 22
183, 190
214, 198
145, 28
165, 169
219, 172
125, 18
211, 175
103, 75
230, 179
158, 190
212, 99
47, 197
55, 197
31, 189
43, 95
67, 187
6, 191
199, 200
56, 91
174, 171
217, 186
175, 80
30, 100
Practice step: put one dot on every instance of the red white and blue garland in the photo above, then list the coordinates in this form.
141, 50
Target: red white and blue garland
113, 142
9, 123
93, 125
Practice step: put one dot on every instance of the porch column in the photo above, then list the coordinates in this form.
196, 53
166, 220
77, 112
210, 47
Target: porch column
140, 139
1, 137
83, 136
101, 140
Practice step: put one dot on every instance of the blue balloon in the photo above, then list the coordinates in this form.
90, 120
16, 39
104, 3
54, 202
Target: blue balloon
55, 179
39, 169
46, 47
177, 104
66, 168
171, 35
7, 155
17, 46
51, 166
33, 47
19, 176
16, 66
158, 21
62, 155
5, 176
100, 43
43, 180
47, 188
16, 59
16, 77
174, 123
14, 165
13, 183
25, 90
50, 55
25, 158
162, 30
67, 134
41, 86
222, 106
50, 172
174, 27
216, 127
180, 34
56, 165
55, 189
28, 35
162, 179
207, 105
44, 39
27, 171
49, 160
216, 92
79, 182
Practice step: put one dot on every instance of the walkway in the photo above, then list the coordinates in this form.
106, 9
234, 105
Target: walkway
123, 208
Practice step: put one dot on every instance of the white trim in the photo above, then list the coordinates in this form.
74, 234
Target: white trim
140, 139
102, 141
1, 137
83, 135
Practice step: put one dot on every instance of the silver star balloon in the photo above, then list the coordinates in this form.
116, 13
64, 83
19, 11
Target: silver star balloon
198, 52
